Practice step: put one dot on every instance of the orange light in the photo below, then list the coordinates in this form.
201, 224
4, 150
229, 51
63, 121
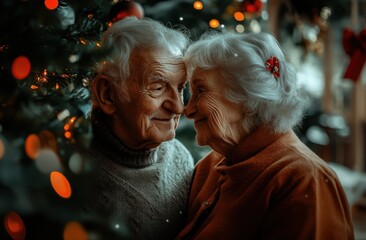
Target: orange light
198, 5
67, 134
75, 231
67, 127
14, 226
60, 184
82, 41
51, 4
57, 86
239, 16
21, 67
32, 146
214, 23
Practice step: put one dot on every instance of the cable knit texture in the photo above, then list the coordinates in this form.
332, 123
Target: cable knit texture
146, 190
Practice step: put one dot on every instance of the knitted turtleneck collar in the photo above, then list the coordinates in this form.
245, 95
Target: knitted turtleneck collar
108, 144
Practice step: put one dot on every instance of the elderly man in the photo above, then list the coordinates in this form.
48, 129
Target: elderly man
143, 171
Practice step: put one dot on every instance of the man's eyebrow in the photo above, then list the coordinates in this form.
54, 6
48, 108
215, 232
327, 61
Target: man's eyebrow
156, 77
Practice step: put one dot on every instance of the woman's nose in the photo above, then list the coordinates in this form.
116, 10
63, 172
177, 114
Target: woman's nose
190, 109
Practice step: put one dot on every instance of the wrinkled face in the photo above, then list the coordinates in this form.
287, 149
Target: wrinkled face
217, 120
155, 88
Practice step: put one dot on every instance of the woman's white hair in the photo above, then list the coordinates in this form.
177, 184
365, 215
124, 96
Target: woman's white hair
131, 33
241, 59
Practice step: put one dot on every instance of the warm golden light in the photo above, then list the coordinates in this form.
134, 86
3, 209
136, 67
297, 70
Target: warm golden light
32, 146
14, 226
60, 184
21, 67
198, 5
214, 23
51, 4
239, 16
82, 41
75, 231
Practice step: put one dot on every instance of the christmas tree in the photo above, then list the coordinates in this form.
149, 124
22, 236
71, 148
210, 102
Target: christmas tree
48, 50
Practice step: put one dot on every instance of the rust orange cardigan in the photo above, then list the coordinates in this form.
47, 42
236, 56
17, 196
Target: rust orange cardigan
272, 187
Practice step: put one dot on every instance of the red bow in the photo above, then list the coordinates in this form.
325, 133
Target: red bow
355, 47
273, 65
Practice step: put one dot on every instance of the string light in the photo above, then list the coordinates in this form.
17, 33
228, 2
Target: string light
60, 184
51, 4
198, 5
32, 146
21, 67
14, 226
82, 41
214, 23
239, 16
67, 134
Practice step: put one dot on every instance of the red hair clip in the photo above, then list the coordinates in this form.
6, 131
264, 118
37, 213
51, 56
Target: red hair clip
273, 65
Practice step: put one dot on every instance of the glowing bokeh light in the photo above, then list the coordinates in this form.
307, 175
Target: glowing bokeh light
48, 161
76, 163
60, 184
14, 226
214, 23
75, 231
198, 5
21, 67
240, 28
51, 4
67, 134
32, 146
239, 16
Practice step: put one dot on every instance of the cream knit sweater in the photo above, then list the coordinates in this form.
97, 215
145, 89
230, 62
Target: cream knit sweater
143, 191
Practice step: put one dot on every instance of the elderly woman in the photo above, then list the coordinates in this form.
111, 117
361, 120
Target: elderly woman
260, 181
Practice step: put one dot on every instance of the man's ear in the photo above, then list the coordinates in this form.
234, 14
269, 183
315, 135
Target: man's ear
102, 94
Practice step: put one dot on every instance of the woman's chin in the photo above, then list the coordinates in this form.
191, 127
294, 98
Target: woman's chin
201, 140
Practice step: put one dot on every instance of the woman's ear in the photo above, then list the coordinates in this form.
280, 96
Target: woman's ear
102, 88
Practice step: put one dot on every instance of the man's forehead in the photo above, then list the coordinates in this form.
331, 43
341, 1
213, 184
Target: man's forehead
160, 56
169, 60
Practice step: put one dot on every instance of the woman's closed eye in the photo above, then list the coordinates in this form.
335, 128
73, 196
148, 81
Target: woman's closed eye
200, 90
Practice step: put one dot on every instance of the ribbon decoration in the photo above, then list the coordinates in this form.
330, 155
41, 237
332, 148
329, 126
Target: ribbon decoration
355, 47
273, 65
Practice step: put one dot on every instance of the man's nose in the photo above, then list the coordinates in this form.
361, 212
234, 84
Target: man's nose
174, 102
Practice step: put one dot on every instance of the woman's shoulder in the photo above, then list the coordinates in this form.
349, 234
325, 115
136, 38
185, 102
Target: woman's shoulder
210, 160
